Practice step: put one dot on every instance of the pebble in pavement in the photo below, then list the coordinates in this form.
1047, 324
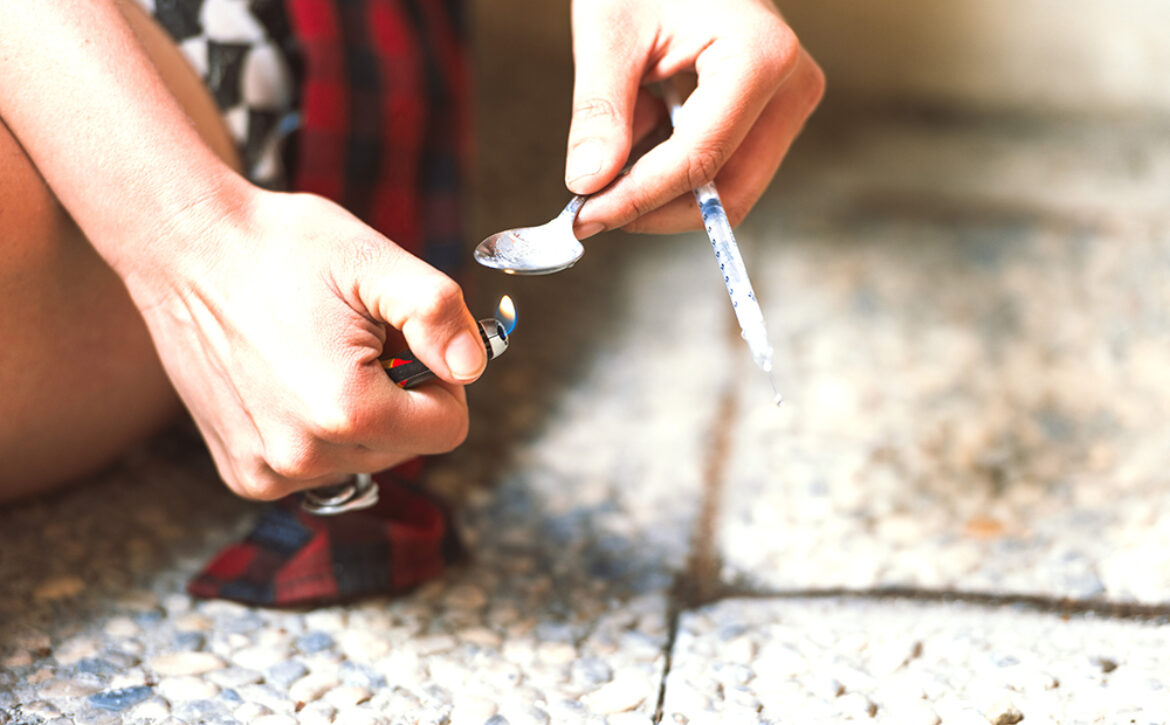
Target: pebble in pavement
975, 359
498, 640
826, 660
560, 618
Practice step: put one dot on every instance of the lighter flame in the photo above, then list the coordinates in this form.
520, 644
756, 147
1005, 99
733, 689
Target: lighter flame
506, 314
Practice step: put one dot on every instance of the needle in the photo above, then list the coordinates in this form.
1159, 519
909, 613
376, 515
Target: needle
735, 276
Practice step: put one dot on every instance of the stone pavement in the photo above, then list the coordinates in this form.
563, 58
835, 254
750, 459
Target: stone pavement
975, 330
958, 517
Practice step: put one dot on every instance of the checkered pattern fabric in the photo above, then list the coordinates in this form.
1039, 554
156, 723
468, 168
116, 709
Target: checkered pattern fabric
374, 90
244, 51
381, 101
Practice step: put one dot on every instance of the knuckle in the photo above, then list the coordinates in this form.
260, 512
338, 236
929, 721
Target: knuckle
815, 84
336, 423
779, 51
640, 206
455, 436
363, 253
257, 484
358, 252
703, 163
594, 108
443, 436
443, 296
290, 459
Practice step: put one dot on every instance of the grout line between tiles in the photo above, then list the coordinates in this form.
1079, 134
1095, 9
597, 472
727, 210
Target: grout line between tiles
1061, 606
699, 583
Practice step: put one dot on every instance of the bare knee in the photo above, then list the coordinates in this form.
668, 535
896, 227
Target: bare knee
79, 376
81, 380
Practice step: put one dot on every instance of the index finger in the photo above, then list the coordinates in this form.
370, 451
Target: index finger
735, 85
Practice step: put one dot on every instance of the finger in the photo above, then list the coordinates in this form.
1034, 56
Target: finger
746, 176
426, 305
734, 88
358, 406
650, 122
608, 58
650, 128
428, 419
371, 426
269, 486
366, 425
249, 475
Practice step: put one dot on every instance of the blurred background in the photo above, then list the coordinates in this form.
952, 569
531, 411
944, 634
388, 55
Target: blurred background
965, 267
1092, 62
1037, 56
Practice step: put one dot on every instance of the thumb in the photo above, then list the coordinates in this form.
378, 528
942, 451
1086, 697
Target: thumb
605, 89
427, 306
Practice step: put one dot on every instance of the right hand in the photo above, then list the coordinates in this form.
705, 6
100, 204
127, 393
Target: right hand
756, 87
269, 313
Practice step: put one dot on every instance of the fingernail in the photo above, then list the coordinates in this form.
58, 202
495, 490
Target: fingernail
465, 356
588, 229
584, 160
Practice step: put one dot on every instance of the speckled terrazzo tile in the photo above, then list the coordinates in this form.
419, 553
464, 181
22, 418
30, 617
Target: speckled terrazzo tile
977, 398
576, 495
911, 663
92, 581
561, 613
575, 551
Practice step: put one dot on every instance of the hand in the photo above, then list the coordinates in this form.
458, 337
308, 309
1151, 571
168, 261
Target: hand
270, 320
756, 87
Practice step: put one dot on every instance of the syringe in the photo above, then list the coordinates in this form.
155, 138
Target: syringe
735, 276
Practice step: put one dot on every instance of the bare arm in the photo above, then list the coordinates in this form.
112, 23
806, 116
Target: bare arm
268, 310
78, 90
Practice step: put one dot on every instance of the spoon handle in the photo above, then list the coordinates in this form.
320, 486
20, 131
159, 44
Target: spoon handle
574, 206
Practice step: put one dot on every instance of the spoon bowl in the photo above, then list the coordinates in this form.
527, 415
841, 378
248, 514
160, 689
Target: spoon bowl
550, 247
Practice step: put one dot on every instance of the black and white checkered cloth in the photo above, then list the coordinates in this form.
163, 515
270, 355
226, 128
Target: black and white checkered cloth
243, 50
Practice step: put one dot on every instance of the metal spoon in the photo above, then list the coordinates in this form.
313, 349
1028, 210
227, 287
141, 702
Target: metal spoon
545, 249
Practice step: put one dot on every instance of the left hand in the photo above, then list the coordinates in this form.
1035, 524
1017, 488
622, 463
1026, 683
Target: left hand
756, 87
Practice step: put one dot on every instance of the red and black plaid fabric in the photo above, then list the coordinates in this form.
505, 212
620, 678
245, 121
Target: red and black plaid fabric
292, 557
384, 127
384, 132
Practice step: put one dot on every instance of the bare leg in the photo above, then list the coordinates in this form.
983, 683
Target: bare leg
79, 378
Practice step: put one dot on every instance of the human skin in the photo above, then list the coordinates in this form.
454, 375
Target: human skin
267, 311
138, 268
755, 89
75, 348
